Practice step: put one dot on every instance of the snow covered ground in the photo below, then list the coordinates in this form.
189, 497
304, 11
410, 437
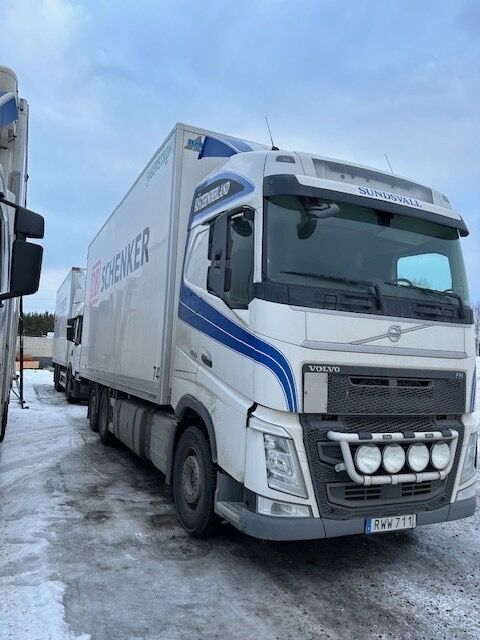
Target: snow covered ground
91, 549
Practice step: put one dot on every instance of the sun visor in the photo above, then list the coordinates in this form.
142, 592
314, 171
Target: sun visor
225, 146
300, 185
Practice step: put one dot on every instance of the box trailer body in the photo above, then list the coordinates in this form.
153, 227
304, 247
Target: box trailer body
68, 309
130, 311
20, 261
308, 316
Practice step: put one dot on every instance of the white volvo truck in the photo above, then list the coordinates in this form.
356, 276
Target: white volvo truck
20, 261
67, 333
288, 338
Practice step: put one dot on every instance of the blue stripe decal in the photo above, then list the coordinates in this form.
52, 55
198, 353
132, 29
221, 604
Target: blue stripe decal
196, 312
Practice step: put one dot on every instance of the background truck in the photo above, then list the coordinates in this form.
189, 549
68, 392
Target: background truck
20, 261
287, 338
67, 334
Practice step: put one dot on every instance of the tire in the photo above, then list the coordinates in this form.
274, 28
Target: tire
56, 379
68, 388
93, 405
3, 424
104, 417
194, 479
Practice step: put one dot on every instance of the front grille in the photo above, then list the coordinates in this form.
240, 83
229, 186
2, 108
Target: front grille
412, 489
339, 498
350, 494
353, 394
355, 493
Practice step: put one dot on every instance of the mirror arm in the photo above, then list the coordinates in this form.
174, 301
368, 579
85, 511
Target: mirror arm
28, 224
7, 202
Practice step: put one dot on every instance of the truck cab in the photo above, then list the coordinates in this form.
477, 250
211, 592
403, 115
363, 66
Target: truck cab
20, 260
288, 338
75, 389
325, 330
67, 335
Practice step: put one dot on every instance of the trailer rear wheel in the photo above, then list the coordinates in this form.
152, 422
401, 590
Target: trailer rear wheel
93, 404
194, 482
56, 378
104, 417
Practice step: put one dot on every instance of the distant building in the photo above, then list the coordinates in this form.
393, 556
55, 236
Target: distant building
38, 348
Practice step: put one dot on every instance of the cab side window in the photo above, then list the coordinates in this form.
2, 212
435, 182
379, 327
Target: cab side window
240, 239
78, 330
196, 264
231, 255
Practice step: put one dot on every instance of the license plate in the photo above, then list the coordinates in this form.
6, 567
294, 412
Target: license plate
393, 523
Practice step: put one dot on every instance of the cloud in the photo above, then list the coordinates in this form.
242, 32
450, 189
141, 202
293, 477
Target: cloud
344, 80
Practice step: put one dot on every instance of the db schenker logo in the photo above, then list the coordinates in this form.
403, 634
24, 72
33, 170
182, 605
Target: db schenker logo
95, 282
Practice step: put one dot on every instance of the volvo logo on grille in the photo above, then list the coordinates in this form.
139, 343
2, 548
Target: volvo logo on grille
394, 333
323, 368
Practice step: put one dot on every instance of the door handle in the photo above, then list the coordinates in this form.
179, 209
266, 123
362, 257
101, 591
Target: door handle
206, 360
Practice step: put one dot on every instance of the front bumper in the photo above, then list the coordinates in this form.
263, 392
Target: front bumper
272, 528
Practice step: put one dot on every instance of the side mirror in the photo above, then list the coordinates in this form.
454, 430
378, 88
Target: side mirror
315, 212
242, 226
26, 258
25, 269
324, 210
28, 223
217, 254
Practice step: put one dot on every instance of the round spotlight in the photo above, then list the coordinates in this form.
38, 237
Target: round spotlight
440, 455
393, 458
368, 458
418, 457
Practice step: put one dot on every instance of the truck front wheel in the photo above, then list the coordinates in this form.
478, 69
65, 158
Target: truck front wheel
93, 403
69, 388
104, 413
56, 378
194, 482
3, 423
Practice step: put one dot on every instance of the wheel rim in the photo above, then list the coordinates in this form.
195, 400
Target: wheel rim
191, 480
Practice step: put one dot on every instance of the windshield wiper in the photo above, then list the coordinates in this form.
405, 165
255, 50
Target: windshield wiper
437, 292
324, 276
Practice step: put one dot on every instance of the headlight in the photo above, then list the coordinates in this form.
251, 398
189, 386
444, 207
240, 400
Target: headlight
418, 457
368, 458
283, 467
440, 455
393, 458
470, 462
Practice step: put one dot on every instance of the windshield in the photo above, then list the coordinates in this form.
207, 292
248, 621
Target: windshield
320, 243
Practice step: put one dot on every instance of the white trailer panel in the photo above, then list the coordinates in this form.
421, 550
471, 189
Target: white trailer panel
132, 268
70, 298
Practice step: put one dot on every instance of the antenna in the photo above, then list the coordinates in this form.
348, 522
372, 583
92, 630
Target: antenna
388, 162
274, 148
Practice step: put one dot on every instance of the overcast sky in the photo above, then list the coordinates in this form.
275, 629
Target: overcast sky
106, 80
